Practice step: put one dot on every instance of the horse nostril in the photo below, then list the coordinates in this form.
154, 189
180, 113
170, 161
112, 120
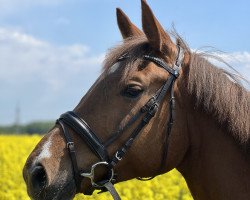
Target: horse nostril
38, 178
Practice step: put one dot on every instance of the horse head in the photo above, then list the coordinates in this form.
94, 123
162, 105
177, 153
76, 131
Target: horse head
133, 121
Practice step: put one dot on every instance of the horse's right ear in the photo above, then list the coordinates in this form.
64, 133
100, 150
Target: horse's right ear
127, 28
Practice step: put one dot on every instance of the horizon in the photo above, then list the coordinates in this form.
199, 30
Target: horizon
39, 39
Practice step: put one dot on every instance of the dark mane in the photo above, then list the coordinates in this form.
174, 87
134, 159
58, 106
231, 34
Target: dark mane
219, 95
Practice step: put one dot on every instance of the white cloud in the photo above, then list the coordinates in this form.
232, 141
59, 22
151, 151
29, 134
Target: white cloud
240, 61
32, 70
21, 54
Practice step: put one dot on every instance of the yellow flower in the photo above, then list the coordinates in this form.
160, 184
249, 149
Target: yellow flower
14, 150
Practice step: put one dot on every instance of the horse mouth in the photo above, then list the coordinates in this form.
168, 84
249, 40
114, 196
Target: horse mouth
69, 190
88, 191
66, 192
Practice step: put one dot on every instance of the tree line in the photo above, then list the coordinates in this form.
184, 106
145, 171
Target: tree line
31, 128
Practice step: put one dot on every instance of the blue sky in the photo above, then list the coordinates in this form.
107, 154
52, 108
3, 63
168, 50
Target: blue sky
51, 50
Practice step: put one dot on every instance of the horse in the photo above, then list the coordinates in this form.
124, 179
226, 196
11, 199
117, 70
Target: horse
156, 106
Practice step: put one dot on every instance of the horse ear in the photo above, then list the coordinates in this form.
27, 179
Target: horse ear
127, 28
155, 33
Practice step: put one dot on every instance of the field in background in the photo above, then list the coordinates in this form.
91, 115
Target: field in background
14, 150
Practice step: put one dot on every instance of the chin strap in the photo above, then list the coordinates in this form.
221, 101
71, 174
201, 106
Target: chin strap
110, 187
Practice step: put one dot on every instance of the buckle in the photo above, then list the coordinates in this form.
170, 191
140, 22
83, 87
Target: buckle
117, 156
151, 113
91, 175
153, 109
176, 73
70, 145
148, 105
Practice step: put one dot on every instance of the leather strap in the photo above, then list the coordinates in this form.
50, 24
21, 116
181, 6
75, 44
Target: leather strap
82, 128
71, 148
110, 187
162, 64
117, 134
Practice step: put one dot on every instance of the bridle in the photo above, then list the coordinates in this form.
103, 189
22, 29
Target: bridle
147, 112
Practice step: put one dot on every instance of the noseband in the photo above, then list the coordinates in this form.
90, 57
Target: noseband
147, 112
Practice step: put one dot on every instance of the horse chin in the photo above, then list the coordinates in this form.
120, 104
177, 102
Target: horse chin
61, 192
67, 192
88, 191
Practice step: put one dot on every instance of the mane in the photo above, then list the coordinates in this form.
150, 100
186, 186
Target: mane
133, 47
220, 94
214, 89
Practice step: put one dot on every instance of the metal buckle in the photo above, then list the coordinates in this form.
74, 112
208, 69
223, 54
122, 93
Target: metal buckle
70, 145
148, 105
176, 73
117, 156
91, 175
153, 109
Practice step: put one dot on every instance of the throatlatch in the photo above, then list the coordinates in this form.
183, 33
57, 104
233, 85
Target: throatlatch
78, 125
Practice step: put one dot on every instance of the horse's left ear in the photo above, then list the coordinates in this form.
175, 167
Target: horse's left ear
155, 33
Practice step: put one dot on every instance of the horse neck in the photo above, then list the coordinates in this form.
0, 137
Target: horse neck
215, 166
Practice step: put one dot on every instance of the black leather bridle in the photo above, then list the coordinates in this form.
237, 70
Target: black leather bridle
78, 125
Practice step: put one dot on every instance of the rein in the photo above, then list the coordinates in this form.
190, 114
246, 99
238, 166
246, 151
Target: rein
78, 125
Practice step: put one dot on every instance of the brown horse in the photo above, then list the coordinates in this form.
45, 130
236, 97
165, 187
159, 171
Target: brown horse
209, 140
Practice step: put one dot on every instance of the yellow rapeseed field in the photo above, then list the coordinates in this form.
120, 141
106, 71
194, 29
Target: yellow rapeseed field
14, 150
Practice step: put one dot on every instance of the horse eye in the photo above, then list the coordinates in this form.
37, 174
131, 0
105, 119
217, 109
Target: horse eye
132, 91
